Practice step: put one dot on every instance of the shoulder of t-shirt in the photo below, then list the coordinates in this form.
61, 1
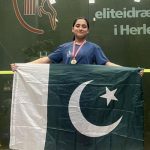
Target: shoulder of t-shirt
93, 44
65, 44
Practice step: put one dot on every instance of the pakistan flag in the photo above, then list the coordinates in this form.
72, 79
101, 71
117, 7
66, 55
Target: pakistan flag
76, 107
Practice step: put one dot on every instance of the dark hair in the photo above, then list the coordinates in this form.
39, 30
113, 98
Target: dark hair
74, 22
81, 18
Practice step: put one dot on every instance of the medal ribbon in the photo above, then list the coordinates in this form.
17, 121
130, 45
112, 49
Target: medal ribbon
77, 51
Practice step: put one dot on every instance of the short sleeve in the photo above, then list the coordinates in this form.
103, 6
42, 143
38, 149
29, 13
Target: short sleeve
100, 57
56, 56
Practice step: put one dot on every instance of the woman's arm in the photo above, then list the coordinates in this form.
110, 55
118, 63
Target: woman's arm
141, 72
43, 60
112, 64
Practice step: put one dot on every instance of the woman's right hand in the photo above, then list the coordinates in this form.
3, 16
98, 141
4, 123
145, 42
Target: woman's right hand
13, 67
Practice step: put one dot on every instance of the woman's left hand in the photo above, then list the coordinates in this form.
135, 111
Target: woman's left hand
141, 72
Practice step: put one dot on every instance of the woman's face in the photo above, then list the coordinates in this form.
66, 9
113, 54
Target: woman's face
80, 29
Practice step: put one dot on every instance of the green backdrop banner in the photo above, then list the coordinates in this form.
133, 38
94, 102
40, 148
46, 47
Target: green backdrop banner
27, 32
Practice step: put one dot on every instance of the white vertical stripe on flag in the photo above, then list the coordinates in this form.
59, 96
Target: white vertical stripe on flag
29, 107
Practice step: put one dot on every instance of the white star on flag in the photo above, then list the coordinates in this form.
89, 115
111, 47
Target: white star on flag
110, 95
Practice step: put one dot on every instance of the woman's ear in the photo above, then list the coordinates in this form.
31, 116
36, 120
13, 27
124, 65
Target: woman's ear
72, 30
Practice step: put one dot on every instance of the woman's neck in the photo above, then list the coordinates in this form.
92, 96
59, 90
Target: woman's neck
79, 41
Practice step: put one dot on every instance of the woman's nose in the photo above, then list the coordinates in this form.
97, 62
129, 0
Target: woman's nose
80, 28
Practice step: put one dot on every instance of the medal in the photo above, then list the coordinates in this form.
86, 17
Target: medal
74, 54
73, 61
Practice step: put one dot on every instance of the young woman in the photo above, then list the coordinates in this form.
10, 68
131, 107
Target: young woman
78, 51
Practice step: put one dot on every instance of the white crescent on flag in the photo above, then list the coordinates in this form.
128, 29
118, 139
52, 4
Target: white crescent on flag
79, 121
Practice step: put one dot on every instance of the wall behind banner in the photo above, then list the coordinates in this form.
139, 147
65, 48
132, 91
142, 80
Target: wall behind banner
121, 28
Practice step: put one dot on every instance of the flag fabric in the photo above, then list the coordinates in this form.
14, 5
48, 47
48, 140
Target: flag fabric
76, 107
